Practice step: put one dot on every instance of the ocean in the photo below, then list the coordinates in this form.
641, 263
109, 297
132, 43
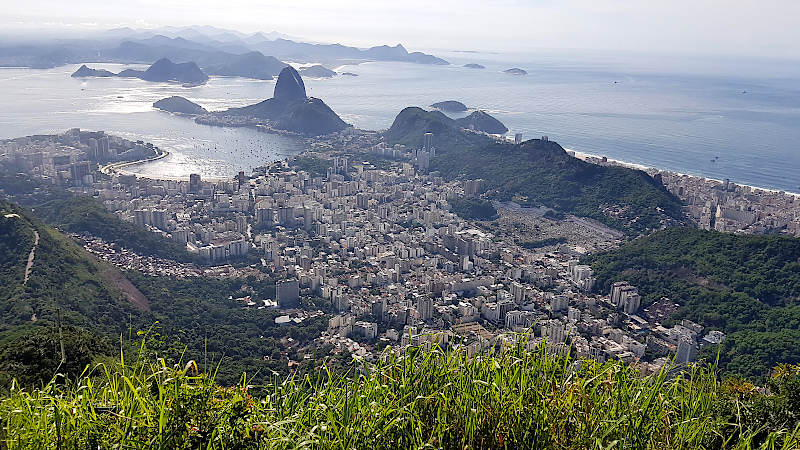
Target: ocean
714, 118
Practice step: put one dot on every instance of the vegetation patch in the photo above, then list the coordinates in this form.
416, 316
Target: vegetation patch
745, 286
312, 165
81, 214
472, 208
422, 399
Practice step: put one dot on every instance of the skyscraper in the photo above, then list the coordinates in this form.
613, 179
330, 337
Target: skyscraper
686, 351
287, 293
427, 144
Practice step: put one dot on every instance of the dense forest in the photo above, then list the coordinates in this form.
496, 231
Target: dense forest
540, 172
746, 286
198, 314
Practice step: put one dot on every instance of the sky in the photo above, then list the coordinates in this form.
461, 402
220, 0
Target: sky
767, 28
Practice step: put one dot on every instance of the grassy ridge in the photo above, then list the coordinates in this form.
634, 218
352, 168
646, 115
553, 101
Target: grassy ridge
516, 400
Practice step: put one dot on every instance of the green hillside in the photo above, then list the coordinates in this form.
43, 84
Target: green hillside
540, 172
61, 276
746, 286
62, 282
81, 214
200, 321
195, 315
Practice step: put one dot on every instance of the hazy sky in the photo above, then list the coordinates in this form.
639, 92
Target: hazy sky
733, 27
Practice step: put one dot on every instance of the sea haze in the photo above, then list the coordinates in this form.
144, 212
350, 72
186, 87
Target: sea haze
742, 125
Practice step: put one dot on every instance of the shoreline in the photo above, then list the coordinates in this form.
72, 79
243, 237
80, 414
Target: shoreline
588, 156
118, 168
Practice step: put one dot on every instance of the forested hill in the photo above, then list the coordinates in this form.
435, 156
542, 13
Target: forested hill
746, 286
81, 214
197, 315
539, 172
61, 277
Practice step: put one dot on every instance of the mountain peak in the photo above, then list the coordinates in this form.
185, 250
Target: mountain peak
290, 85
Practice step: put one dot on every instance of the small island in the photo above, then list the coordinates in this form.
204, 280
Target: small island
84, 72
474, 66
515, 71
180, 105
350, 74
317, 71
450, 106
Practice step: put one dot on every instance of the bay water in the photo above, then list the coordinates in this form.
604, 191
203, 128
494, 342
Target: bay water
719, 119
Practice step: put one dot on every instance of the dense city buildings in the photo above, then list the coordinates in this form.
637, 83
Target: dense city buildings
384, 249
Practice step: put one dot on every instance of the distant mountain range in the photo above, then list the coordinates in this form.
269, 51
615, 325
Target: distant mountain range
217, 52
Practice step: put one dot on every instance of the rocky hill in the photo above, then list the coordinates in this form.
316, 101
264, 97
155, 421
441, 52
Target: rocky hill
165, 70
540, 172
291, 110
84, 71
161, 71
450, 106
318, 71
177, 104
411, 121
481, 121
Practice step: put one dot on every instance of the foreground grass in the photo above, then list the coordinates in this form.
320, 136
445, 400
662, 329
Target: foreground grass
423, 399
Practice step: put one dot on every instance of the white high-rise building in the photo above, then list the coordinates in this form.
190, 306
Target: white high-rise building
425, 307
686, 350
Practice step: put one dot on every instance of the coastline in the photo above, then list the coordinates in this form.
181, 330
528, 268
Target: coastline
598, 159
117, 168
108, 169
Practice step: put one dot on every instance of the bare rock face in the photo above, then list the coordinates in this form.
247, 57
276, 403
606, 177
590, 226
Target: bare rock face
289, 86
